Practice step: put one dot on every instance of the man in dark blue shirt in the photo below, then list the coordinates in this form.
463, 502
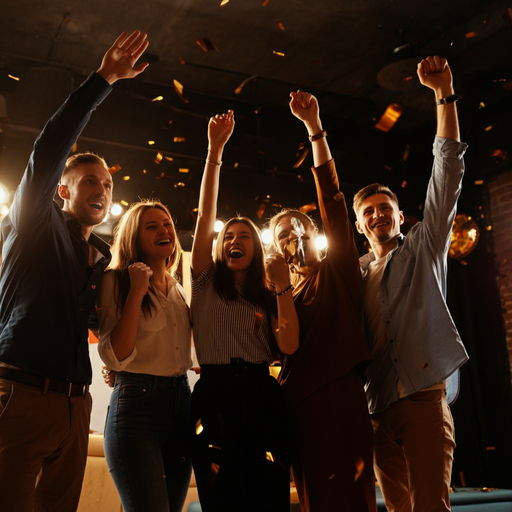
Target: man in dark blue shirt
50, 276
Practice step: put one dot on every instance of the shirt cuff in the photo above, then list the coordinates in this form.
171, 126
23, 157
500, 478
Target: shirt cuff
448, 148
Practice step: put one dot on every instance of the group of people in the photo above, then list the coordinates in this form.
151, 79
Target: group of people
367, 345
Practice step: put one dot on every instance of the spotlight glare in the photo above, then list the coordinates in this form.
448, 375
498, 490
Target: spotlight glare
321, 242
116, 209
218, 226
4, 194
266, 236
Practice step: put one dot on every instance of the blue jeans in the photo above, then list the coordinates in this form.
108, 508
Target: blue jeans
147, 441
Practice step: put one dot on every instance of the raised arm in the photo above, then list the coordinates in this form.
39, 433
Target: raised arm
435, 73
220, 129
304, 106
286, 326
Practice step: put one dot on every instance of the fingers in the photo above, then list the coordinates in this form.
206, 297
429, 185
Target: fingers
140, 267
433, 64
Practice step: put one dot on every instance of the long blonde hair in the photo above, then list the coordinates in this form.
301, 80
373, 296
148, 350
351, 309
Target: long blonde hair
126, 250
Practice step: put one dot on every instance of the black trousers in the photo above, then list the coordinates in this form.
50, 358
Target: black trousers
240, 448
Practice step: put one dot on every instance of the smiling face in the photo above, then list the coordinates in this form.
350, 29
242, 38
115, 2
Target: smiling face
156, 236
238, 249
379, 219
284, 234
87, 194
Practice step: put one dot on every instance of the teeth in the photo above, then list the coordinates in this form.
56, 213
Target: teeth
97, 206
235, 253
162, 242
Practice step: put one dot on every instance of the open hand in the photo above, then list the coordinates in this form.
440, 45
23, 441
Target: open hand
434, 72
220, 129
120, 59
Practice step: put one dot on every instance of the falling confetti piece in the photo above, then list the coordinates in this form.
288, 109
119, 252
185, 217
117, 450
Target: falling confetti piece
182, 61
265, 3
423, 366
479, 182
158, 157
359, 468
238, 90
279, 54
307, 208
183, 170
224, 2
261, 210
199, 427
300, 178
236, 164
283, 323
389, 118
408, 79
481, 105
143, 171
14, 78
162, 175
158, 98
388, 167
331, 477
214, 471
124, 203
169, 158
488, 228
151, 142
301, 158
507, 14
258, 318
114, 169
498, 153
75, 147
488, 128
302, 145
405, 156
179, 184
207, 45
179, 90
469, 35
126, 178
258, 110
280, 25
404, 183
214, 447
179, 139
269, 456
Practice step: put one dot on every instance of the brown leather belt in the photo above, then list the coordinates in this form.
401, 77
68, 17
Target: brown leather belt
55, 386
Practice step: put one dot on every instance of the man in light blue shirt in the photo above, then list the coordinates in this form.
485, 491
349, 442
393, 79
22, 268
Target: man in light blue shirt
415, 345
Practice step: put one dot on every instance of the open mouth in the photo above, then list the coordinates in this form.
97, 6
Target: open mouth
165, 241
96, 206
380, 224
235, 253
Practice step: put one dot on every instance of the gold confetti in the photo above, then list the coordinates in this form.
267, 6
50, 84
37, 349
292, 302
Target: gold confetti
158, 157
179, 184
488, 228
490, 448
151, 142
423, 366
507, 14
498, 153
224, 2
301, 158
258, 318
235, 165
207, 45
179, 90
162, 175
158, 98
257, 110
114, 169
279, 54
331, 477
14, 78
143, 171
405, 156
359, 468
182, 61
265, 3
300, 178
169, 158
307, 208
408, 79
389, 118
126, 178
482, 105
183, 170
261, 210
404, 183
479, 182
283, 323
199, 427
269, 456
75, 147
238, 90
124, 203
388, 167
214, 447
469, 35
280, 25
179, 139
488, 128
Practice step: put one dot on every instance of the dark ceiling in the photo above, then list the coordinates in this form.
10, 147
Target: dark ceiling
332, 48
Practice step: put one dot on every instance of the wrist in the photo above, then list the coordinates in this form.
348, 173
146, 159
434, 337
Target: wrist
444, 92
109, 77
314, 128
279, 292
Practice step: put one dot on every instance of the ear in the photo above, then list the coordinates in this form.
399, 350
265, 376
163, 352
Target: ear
358, 227
401, 217
63, 192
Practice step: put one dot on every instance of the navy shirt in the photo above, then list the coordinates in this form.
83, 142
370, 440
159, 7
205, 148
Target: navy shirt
47, 288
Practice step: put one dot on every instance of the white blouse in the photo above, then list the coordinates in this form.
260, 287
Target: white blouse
163, 344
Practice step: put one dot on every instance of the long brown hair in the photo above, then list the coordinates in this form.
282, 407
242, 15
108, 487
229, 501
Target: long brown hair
255, 287
126, 250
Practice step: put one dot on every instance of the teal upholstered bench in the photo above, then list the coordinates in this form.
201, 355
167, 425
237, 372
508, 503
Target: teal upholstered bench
463, 500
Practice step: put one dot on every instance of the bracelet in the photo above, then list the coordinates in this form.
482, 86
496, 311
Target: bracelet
317, 136
208, 161
448, 99
286, 290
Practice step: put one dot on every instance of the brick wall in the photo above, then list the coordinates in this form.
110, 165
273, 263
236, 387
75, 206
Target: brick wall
500, 194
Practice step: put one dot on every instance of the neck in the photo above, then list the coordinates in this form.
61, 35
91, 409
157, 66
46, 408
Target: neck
381, 249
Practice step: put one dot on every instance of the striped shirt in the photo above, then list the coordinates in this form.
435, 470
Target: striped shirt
227, 329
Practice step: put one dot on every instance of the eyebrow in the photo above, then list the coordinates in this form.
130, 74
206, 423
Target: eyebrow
94, 176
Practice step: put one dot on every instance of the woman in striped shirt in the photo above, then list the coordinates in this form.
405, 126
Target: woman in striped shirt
239, 451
